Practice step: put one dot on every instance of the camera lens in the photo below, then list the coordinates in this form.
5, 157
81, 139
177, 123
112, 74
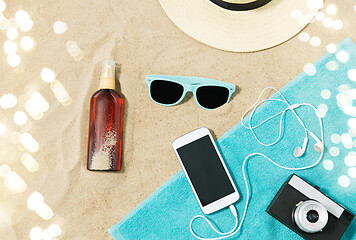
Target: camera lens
312, 216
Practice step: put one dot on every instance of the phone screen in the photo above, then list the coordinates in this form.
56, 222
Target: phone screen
205, 170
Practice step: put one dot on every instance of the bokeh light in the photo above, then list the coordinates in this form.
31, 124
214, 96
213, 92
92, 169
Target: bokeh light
50, 233
322, 110
344, 88
4, 23
36, 105
60, 93
326, 94
351, 123
2, 6
27, 43
20, 118
343, 56
33, 110
74, 50
334, 151
352, 172
352, 132
29, 142
29, 162
350, 159
26, 26
45, 212
328, 22
47, 75
36, 203
12, 33
10, 47
331, 48
331, 9
304, 37
315, 41
8, 101
13, 59
319, 16
345, 99
55, 230
15, 183
4, 170
24, 20
346, 139
38, 100
21, 16
60, 27
344, 181
36, 233
332, 65
335, 138
328, 164
352, 74
309, 69
337, 24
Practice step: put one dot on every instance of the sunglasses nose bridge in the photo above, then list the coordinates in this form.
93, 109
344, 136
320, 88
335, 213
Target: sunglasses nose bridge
191, 87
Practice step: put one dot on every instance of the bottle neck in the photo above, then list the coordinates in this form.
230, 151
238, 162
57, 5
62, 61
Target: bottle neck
107, 83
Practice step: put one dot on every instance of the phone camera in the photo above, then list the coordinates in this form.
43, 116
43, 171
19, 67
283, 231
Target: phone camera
310, 216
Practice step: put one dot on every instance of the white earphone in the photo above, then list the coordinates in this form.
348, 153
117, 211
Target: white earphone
318, 146
298, 152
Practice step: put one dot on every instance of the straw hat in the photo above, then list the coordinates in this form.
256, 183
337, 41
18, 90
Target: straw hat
241, 25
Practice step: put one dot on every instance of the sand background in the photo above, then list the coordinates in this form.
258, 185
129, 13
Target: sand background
142, 40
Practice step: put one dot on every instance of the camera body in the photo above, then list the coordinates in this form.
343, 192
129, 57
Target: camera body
308, 212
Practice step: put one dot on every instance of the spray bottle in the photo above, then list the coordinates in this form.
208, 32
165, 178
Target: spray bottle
105, 123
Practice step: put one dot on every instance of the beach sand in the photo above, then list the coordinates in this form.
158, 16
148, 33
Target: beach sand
142, 40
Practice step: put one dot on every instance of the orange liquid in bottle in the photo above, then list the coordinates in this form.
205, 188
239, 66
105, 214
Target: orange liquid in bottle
105, 126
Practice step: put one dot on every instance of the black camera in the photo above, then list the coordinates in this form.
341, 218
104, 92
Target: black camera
308, 212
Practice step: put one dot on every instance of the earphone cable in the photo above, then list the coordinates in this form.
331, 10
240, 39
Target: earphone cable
258, 103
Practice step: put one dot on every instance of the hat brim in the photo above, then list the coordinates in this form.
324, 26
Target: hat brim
240, 31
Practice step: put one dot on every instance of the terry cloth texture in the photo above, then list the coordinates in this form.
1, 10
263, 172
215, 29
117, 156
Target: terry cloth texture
332, 89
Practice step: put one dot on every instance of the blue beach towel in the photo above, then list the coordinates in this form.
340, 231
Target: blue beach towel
331, 87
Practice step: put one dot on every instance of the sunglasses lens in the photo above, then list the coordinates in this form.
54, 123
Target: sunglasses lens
212, 97
166, 92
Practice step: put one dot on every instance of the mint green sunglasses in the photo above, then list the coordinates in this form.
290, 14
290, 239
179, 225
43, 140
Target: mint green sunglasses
208, 93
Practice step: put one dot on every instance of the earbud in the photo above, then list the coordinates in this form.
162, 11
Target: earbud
318, 146
298, 152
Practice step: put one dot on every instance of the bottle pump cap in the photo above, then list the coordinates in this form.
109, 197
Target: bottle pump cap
107, 79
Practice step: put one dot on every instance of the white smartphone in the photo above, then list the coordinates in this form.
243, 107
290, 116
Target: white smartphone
205, 170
